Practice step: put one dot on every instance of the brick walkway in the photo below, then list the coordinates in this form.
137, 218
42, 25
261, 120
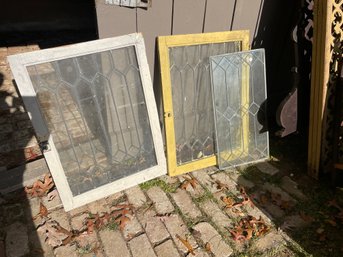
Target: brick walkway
17, 142
164, 210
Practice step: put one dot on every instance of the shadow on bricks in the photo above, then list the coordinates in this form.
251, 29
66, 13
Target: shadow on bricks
18, 235
302, 213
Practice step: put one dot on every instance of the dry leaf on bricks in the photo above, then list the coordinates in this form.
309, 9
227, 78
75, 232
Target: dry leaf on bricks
40, 188
208, 247
186, 244
53, 236
248, 228
189, 181
43, 211
119, 215
221, 186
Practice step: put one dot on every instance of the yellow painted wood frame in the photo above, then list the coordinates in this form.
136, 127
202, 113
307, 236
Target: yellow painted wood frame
164, 43
321, 55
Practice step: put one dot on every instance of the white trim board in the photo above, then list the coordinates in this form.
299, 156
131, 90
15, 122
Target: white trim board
19, 64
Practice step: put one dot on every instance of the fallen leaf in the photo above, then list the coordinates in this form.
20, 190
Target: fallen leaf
118, 215
122, 206
237, 235
189, 181
248, 227
208, 247
186, 244
220, 185
40, 188
122, 222
229, 202
90, 226
248, 233
43, 211
70, 235
51, 195
52, 235
238, 212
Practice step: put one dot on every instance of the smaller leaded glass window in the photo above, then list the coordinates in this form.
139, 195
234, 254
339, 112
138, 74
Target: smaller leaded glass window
239, 100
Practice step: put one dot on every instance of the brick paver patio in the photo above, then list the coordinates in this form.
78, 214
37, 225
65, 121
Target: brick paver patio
166, 211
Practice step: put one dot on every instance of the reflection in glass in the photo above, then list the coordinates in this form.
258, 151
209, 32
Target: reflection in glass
96, 112
239, 95
192, 101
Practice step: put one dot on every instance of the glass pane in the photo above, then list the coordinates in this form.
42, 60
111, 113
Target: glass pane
239, 95
192, 102
95, 110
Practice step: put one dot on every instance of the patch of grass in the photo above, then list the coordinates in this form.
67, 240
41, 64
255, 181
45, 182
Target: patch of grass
296, 250
160, 183
207, 195
252, 173
119, 200
190, 223
112, 225
84, 249
248, 252
91, 215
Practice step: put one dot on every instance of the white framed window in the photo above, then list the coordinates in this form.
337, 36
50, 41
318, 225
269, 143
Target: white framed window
93, 110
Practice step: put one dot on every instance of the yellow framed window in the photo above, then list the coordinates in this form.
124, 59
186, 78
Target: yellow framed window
187, 99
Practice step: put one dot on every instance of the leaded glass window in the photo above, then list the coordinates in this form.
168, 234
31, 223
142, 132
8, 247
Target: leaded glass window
99, 111
187, 99
239, 95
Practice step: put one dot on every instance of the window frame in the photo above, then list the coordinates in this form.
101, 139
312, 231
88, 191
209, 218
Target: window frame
18, 64
164, 43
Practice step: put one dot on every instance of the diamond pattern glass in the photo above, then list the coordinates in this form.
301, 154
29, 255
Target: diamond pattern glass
191, 96
239, 95
95, 110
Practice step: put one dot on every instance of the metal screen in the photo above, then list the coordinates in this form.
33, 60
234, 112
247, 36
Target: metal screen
93, 105
239, 94
192, 101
